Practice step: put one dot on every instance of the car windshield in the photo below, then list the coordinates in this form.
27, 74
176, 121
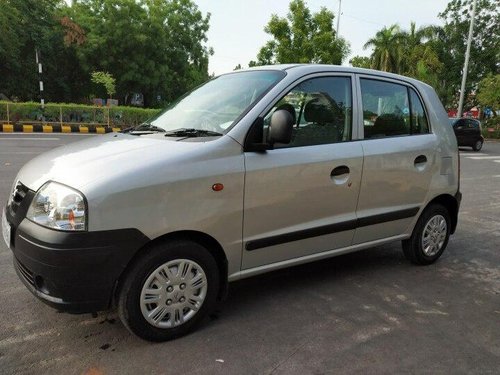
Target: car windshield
213, 107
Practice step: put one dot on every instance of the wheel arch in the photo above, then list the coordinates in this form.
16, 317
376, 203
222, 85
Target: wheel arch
451, 204
203, 239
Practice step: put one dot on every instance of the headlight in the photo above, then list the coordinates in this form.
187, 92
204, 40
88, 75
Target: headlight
59, 207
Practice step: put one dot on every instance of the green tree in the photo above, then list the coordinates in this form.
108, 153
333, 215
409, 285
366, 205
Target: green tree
408, 52
152, 47
489, 91
387, 49
416, 37
302, 37
424, 65
450, 44
10, 47
106, 80
412, 42
361, 62
419, 58
27, 25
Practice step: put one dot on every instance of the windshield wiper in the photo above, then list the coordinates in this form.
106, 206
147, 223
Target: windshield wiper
191, 132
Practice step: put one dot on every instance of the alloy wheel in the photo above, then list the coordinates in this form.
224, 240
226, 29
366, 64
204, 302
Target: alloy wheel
434, 235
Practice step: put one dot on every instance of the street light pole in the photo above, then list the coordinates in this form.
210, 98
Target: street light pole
338, 17
466, 63
39, 68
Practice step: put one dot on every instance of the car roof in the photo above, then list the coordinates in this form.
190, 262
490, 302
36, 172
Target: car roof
304, 69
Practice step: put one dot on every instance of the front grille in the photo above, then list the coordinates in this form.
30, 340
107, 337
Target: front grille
17, 197
25, 273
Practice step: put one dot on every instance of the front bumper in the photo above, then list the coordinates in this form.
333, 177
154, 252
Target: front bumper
74, 272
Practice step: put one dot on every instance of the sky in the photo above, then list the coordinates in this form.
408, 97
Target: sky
237, 26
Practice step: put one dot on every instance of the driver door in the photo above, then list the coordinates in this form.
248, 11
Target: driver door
300, 199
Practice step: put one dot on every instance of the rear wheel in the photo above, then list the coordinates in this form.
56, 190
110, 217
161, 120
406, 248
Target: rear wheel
169, 291
430, 236
477, 146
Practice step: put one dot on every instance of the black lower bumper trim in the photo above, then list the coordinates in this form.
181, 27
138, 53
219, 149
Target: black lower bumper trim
73, 271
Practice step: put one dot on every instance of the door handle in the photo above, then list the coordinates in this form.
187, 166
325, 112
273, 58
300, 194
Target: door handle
420, 159
339, 171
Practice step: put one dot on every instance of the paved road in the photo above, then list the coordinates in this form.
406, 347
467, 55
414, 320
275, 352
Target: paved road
368, 312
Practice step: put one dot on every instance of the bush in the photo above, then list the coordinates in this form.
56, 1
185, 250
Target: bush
75, 113
492, 123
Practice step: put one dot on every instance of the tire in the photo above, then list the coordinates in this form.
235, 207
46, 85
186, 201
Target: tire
477, 146
434, 217
169, 290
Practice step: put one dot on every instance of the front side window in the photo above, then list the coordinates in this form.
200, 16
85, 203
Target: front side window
390, 109
460, 124
214, 106
321, 109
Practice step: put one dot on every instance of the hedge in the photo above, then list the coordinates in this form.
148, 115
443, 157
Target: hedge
75, 113
491, 128
121, 116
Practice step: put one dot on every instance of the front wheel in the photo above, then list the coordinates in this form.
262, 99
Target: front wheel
430, 236
169, 291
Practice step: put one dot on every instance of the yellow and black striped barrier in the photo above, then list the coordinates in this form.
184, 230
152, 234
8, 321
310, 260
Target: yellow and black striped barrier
57, 128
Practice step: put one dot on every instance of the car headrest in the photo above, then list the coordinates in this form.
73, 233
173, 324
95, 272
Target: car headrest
389, 124
317, 112
290, 108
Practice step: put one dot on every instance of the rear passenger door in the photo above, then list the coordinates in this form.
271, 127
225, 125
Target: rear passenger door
399, 158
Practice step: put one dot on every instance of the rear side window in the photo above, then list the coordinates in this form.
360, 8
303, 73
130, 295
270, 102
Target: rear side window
419, 124
391, 109
472, 124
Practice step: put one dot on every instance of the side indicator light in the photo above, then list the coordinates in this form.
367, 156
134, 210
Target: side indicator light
71, 218
217, 187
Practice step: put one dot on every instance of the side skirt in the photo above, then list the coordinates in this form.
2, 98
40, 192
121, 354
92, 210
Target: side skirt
311, 258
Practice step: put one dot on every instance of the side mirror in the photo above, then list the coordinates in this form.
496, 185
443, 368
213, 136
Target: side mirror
280, 127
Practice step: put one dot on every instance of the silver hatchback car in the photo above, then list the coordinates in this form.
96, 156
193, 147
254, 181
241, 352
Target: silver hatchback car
253, 171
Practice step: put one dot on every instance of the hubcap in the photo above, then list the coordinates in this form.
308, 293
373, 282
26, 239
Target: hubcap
479, 144
434, 235
173, 293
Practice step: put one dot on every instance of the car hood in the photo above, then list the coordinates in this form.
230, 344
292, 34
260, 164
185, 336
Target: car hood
99, 158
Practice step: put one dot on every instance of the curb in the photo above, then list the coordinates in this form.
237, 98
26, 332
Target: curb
38, 128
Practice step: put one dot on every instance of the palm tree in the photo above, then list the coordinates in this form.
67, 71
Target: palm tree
387, 52
416, 37
411, 41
